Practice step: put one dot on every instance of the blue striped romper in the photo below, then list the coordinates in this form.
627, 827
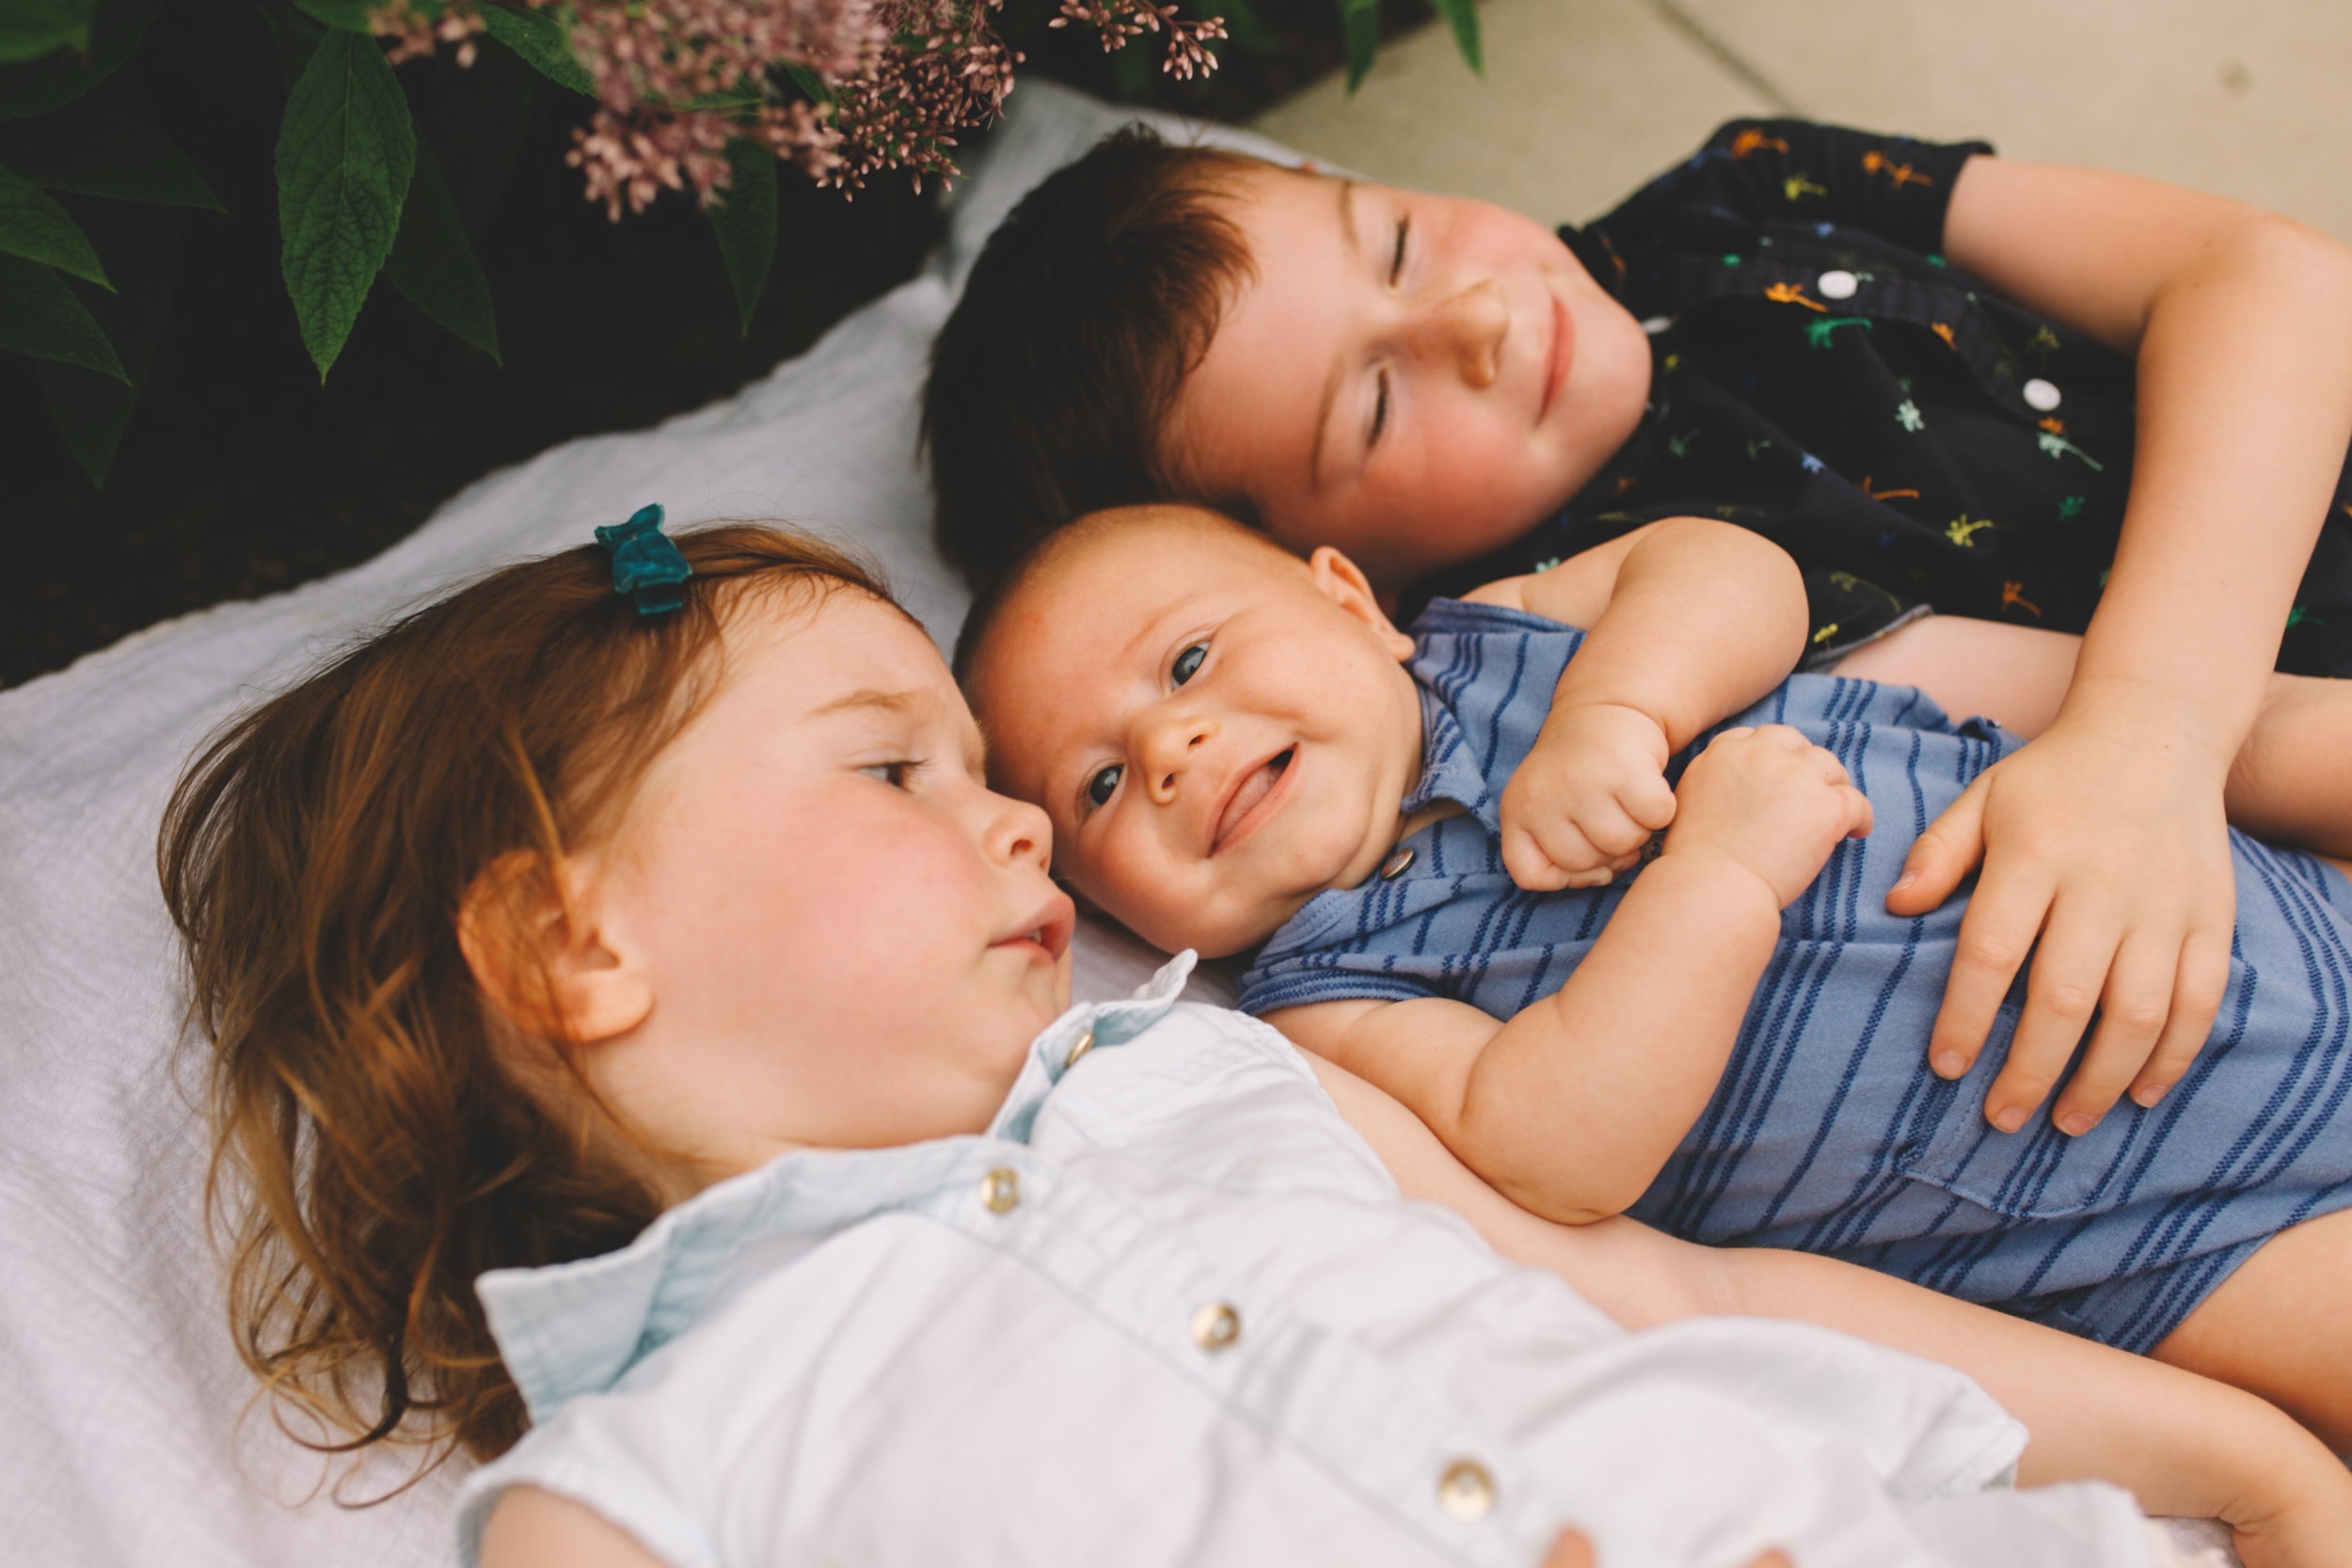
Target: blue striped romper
1828, 1133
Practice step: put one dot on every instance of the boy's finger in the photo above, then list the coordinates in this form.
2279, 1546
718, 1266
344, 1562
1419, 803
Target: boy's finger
2070, 973
2132, 1013
1996, 934
2198, 988
1948, 851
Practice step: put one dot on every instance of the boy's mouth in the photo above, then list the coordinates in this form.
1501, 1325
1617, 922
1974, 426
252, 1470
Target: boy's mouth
1250, 791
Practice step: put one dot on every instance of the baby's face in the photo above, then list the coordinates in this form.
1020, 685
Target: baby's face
1217, 730
1412, 379
849, 939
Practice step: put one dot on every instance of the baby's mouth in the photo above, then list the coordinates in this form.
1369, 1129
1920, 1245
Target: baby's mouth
1255, 786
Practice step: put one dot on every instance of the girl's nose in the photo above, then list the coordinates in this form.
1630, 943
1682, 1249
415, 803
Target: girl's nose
1465, 330
1168, 749
1020, 833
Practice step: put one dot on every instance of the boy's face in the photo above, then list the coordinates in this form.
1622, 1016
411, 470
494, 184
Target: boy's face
1412, 379
1218, 731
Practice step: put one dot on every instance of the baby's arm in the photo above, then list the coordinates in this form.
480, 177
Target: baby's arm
1688, 622
1572, 1106
2184, 1445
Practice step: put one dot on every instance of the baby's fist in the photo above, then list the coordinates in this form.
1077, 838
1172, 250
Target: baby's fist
1772, 803
1587, 797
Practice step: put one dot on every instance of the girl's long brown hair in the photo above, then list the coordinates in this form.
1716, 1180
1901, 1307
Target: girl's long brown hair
371, 1157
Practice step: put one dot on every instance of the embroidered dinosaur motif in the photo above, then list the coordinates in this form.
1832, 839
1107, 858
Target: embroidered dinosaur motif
1793, 294
1757, 446
1625, 482
2043, 342
1680, 444
1875, 162
1753, 140
1813, 465
2055, 425
2301, 613
1943, 331
1816, 333
1884, 495
1542, 566
1908, 416
1820, 639
1962, 529
1848, 582
2014, 594
2059, 446
2070, 507
1797, 185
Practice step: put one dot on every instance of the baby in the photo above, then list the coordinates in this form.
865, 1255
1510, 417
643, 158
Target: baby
640, 929
1237, 747
1937, 377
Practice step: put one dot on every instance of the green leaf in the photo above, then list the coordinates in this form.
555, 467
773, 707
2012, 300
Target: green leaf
31, 28
480, 113
1360, 28
810, 83
91, 411
29, 87
40, 316
33, 225
745, 222
543, 39
1462, 16
432, 264
346, 150
344, 16
94, 149
140, 246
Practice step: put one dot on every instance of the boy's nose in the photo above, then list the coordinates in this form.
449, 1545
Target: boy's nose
1466, 328
1168, 750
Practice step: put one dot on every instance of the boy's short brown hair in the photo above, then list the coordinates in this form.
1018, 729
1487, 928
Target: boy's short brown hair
1082, 316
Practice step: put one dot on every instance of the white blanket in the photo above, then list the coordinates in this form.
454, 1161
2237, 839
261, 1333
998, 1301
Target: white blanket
124, 1431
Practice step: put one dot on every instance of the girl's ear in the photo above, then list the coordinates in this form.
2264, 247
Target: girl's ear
1342, 583
532, 935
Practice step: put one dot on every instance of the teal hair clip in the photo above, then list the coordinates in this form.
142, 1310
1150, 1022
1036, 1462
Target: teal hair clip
647, 565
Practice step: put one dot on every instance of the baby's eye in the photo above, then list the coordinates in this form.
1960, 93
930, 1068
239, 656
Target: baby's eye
1397, 261
895, 774
1187, 663
1105, 780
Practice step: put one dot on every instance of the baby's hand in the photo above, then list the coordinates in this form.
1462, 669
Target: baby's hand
1772, 802
1587, 797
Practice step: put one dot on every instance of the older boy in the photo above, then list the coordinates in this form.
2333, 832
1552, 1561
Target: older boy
2143, 373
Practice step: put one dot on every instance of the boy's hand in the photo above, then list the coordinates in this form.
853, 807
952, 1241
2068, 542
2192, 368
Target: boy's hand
1589, 795
1770, 802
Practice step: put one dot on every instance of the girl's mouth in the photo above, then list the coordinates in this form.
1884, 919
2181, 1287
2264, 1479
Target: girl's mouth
1255, 789
1562, 354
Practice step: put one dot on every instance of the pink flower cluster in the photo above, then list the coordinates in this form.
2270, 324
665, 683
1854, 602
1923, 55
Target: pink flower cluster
676, 80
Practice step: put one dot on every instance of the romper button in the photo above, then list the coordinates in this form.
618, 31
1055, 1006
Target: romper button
1214, 1326
1086, 1044
1000, 1189
1466, 1491
2039, 395
1396, 865
1836, 285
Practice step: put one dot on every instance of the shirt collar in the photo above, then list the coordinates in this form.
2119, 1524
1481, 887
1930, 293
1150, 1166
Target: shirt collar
567, 1329
1450, 769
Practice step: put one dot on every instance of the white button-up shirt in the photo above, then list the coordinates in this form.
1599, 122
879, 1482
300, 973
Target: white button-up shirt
1170, 1309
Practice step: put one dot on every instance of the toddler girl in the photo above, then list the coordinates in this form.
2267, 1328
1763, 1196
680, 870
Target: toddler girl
635, 937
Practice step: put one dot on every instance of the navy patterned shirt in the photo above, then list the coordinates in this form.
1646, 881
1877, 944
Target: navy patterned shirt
1821, 375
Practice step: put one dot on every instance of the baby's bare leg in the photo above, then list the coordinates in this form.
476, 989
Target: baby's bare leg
2278, 1327
2290, 784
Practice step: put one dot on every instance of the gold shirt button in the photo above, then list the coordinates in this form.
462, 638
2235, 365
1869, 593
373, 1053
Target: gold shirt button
1000, 1189
1466, 1491
1086, 1044
1396, 865
1214, 1326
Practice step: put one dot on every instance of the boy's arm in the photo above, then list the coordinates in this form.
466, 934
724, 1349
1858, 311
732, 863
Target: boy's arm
2183, 1444
2103, 839
1687, 620
1573, 1105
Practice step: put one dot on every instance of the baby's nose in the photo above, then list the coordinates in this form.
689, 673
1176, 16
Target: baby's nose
1171, 752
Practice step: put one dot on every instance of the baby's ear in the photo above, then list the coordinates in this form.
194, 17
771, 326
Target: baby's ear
532, 935
1344, 582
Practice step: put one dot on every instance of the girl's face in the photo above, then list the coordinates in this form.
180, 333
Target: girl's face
1412, 379
846, 940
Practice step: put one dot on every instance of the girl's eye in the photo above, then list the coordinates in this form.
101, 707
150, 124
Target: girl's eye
1105, 780
1379, 410
892, 773
1396, 263
1187, 663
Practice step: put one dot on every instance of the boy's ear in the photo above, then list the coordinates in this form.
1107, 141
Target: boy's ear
1342, 583
530, 935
